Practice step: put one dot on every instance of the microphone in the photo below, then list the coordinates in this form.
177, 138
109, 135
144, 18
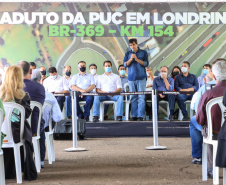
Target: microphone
132, 51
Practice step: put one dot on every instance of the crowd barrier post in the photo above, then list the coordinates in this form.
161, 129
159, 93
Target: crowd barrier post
155, 123
75, 147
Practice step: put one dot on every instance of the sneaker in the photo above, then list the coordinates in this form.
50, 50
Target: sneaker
95, 118
210, 174
105, 116
197, 161
185, 118
87, 119
140, 119
133, 119
171, 118
42, 164
119, 118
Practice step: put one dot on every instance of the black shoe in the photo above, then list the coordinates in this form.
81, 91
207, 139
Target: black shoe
69, 117
197, 161
87, 119
185, 118
140, 119
105, 116
119, 118
133, 119
210, 174
42, 166
171, 118
95, 118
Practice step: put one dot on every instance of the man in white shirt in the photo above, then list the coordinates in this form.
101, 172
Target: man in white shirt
54, 84
66, 80
93, 71
108, 83
83, 83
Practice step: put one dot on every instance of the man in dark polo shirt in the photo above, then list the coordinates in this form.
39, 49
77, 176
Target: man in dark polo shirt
185, 82
36, 92
218, 69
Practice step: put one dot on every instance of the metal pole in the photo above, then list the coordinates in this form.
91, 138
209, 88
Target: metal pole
155, 123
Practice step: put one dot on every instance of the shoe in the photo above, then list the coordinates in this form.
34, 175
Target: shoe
105, 116
185, 118
171, 118
140, 119
133, 119
95, 118
87, 119
210, 174
42, 164
69, 117
197, 161
119, 118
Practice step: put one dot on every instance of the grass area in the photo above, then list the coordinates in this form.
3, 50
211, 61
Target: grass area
175, 54
197, 66
89, 56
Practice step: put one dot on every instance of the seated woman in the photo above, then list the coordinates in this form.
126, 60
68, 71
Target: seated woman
12, 91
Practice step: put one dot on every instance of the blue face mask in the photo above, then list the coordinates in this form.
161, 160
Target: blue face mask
122, 72
205, 71
107, 69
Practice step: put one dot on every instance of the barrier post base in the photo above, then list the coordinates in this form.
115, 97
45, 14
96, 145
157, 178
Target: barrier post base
75, 149
156, 148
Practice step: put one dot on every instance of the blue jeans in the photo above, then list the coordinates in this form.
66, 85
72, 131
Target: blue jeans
98, 99
137, 108
196, 138
181, 98
68, 105
60, 100
87, 107
42, 145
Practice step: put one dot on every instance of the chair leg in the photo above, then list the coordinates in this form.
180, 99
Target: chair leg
204, 162
215, 168
48, 147
2, 170
115, 109
52, 148
127, 111
168, 110
101, 111
18, 163
180, 115
224, 176
37, 155
91, 115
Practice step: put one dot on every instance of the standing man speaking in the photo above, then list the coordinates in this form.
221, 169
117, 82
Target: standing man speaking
136, 60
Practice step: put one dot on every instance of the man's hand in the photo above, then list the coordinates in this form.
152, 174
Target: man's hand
164, 76
83, 91
162, 96
133, 56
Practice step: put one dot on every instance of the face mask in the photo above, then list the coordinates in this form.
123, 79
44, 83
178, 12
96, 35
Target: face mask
161, 74
175, 73
122, 72
205, 71
107, 69
184, 69
147, 74
68, 73
93, 71
53, 77
43, 72
82, 69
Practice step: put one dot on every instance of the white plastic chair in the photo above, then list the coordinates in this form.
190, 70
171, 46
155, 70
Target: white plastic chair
35, 139
102, 108
82, 103
210, 141
8, 140
2, 168
49, 135
167, 112
180, 116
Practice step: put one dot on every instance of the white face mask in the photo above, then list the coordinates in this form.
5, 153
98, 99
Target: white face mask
184, 69
147, 74
161, 74
53, 77
93, 71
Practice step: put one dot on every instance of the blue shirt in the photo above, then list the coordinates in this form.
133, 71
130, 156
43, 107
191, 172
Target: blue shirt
185, 82
201, 80
56, 114
36, 92
158, 83
136, 71
200, 92
82, 82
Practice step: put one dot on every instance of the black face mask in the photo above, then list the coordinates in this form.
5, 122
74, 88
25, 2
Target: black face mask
68, 73
176, 73
82, 69
43, 72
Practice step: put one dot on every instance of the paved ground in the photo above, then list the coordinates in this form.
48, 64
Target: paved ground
122, 161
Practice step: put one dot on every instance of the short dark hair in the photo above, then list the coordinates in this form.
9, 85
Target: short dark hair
165, 67
33, 64
81, 62
52, 70
107, 61
92, 65
172, 75
120, 66
186, 62
132, 40
207, 65
25, 67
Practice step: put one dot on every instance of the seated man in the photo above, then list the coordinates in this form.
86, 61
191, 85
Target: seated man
42, 69
218, 69
108, 83
123, 77
83, 83
66, 80
195, 128
54, 84
56, 114
185, 82
36, 92
165, 83
206, 69
93, 71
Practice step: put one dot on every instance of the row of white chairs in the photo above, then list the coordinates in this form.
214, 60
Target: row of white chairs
9, 142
